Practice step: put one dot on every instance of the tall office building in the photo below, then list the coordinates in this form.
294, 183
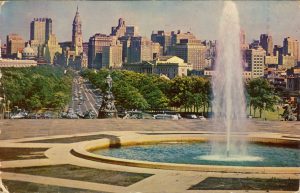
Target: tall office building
176, 37
291, 47
95, 49
112, 56
256, 61
123, 30
266, 42
125, 41
41, 29
164, 39
140, 49
77, 40
51, 49
254, 44
157, 50
3, 51
15, 44
193, 52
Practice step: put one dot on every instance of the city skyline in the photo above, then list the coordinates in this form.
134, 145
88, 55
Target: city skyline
256, 17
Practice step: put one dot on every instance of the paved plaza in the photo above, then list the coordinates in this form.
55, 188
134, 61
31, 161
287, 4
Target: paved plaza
37, 155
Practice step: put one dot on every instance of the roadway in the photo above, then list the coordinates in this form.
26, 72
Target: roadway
84, 96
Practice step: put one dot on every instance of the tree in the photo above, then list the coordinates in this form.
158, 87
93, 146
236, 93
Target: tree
35, 87
261, 93
129, 97
34, 102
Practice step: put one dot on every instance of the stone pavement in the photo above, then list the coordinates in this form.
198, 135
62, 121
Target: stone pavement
23, 133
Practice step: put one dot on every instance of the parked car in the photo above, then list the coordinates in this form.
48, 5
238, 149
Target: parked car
166, 116
191, 116
202, 118
18, 116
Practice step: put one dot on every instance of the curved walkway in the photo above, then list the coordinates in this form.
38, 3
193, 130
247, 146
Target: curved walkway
59, 137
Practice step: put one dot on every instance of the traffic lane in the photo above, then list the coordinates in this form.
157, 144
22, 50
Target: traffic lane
89, 100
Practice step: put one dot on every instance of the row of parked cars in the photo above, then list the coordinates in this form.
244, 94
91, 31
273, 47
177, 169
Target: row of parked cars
134, 114
26, 115
178, 116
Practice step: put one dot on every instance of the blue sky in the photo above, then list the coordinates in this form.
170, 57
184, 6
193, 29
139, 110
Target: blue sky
279, 18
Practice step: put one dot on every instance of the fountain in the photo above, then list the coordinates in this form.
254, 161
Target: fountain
229, 104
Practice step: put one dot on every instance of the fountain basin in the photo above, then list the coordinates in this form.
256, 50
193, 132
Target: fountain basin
86, 151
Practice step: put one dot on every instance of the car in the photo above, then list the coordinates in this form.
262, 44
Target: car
191, 116
18, 116
202, 118
166, 116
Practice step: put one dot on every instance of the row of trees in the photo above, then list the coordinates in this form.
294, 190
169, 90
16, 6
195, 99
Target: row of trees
192, 93
141, 91
37, 87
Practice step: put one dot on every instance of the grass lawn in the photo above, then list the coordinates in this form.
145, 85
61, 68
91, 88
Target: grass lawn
269, 115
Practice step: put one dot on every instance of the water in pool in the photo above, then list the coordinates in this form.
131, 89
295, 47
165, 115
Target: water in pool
199, 153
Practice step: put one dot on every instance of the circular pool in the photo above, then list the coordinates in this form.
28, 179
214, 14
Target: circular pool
258, 155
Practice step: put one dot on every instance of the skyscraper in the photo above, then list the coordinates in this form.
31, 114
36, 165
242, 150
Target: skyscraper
41, 29
266, 42
77, 34
95, 49
123, 30
112, 56
291, 47
192, 51
140, 49
51, 49
164, 39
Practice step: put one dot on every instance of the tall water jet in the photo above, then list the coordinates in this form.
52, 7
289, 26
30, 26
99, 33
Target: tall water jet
229, 105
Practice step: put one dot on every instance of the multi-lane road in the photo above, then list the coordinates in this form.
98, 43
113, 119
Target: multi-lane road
84, 97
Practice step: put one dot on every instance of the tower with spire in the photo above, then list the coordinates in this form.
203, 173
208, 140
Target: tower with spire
77, 34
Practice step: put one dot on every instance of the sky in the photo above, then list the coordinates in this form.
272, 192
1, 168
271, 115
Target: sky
279, 18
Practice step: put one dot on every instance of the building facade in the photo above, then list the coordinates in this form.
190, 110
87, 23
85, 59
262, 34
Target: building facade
266, 42
95, 49
15, 44
170, 66
112, 56
256, 61
40, 30
51, 49
192, 51
122, 30
140, 49
291, 47
28, 53
9, 63
164, 39
77, 40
